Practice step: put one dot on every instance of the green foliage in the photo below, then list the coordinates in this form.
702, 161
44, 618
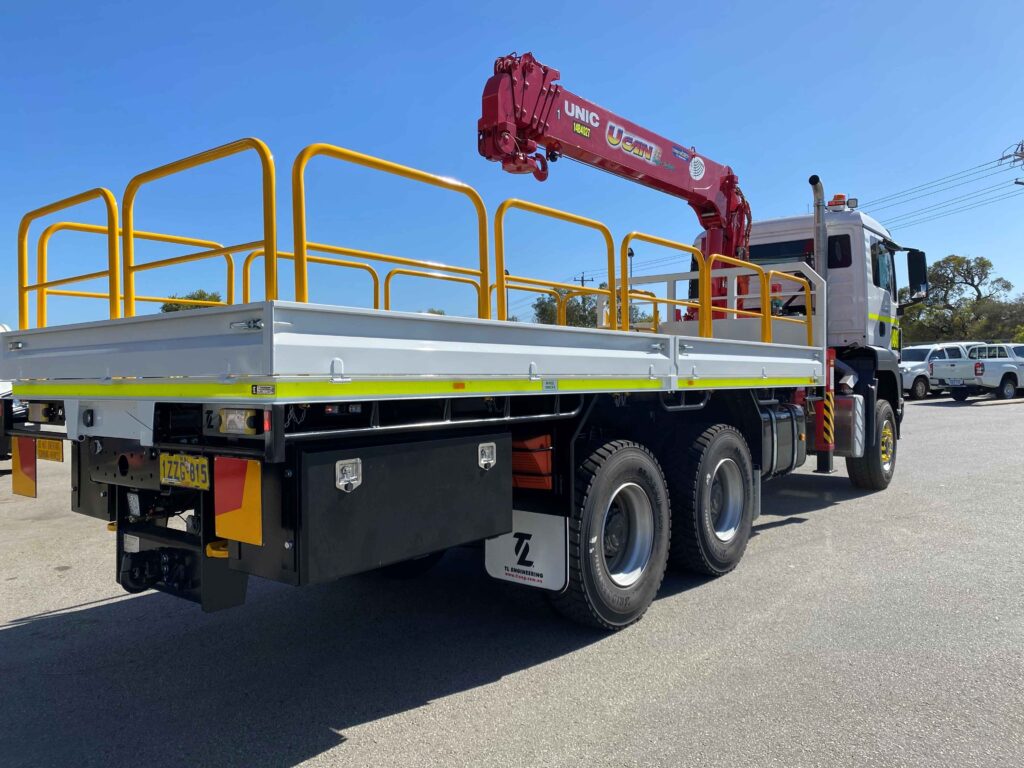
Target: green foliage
966, 301
435, 311
197, 295
580, 311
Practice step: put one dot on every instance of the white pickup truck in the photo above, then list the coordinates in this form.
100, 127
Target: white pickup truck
915, 370
997, 368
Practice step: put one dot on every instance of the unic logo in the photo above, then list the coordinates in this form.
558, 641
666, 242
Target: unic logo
632, 145
578, 113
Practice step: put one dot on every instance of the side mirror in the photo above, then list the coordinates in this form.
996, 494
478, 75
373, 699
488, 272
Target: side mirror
917, 272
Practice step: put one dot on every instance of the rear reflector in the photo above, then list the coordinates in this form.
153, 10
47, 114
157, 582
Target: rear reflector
23, 466
238, 499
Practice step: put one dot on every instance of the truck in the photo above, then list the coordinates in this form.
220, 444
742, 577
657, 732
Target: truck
988, 368
916, 367
304, 442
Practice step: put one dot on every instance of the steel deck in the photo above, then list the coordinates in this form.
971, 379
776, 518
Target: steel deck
279, 351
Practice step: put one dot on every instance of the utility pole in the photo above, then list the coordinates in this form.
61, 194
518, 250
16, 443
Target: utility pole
583, 279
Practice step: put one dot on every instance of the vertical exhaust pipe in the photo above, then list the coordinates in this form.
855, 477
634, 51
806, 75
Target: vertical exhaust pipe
825, 457
820, 232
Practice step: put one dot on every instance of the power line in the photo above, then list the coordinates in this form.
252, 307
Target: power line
897, 203
947, 203
927, 185
914, 223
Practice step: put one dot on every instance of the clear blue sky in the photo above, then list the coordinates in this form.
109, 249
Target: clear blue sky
873, 96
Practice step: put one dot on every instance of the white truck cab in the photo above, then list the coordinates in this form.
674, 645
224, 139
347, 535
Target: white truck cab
862, 291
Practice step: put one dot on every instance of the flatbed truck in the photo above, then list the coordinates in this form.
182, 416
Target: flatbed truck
303, 442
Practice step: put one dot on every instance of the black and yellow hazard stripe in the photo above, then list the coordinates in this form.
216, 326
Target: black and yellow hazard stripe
828, 423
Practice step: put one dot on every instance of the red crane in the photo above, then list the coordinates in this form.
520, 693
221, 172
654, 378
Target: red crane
524, 108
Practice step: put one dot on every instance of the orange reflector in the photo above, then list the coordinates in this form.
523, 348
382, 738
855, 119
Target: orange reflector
238, 499
23, 466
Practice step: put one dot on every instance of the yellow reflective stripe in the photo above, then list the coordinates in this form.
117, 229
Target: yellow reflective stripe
286, 390
883, 318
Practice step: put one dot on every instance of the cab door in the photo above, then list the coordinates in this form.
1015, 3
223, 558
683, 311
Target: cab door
881, 291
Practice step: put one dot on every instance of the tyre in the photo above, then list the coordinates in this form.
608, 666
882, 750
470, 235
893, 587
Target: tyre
919, 389
712, 491
874, 470
618, 537
960, 394
1007, 388
411, 569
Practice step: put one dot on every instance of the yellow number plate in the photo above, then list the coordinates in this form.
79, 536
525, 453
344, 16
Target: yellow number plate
185, 471
50, 450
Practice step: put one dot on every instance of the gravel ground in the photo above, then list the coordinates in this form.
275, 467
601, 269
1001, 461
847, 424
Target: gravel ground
860, 629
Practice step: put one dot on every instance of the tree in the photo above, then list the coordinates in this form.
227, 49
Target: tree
580, 311
435, 311
965, 301
197, 295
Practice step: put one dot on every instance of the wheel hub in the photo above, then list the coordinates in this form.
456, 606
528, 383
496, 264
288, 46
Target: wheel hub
627, 534
726, 498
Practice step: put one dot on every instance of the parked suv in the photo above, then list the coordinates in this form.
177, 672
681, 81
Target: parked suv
997, 368
915, 365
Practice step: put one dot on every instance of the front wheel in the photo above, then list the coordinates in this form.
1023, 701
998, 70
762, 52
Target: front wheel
874, 470
618, 537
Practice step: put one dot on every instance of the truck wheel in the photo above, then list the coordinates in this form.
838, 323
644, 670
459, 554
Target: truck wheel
712, 492
618, 537
1007, 388
959, 394
919, 389
874, 470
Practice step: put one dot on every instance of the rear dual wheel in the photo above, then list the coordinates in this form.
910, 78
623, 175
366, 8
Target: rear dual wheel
618, 537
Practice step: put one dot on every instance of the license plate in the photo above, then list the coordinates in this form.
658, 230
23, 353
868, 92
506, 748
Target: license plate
50, 450
185, 471
956, 382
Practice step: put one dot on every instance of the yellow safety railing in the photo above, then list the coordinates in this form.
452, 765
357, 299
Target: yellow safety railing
765, 311
807, 302
703, 318
503, 279
558, 297
247, 276
42, 284
303, 245
422, 273
42, 259
268, 244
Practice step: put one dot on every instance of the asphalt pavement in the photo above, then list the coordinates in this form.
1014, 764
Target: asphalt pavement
860, 629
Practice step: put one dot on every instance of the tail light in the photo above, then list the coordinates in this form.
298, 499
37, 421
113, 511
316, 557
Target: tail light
979, 369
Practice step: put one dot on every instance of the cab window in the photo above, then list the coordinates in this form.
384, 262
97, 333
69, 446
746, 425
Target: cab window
1018, 351
978, 353
953, 353
1000, 352
938, 354
881, 266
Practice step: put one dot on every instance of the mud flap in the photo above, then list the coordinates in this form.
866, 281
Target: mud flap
535, 553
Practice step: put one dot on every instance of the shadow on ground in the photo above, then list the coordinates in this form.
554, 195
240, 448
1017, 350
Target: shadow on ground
152, 680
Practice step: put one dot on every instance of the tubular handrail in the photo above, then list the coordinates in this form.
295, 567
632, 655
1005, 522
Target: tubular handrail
303, 245
268, 243
807, 299
654, 299
111, 273
559, 304
247, 277
423, 273
764, 313
704, 319
499, 253
42, 259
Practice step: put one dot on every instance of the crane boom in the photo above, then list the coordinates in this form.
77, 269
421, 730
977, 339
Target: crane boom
524, 108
